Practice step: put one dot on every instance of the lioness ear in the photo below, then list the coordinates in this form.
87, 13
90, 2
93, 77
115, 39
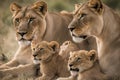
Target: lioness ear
93, 55
15, 8
54, 45
96, 5
40, 7
76, 7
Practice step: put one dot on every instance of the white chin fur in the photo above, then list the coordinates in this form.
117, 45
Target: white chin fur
77, 39
24, 43
36, 61
73, 73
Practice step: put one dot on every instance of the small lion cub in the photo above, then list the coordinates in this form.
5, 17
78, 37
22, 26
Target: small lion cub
84, 65
66, 48
52, 65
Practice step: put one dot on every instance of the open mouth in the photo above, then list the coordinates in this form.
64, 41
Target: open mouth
23, 39
37, 59
81, 36
76, 69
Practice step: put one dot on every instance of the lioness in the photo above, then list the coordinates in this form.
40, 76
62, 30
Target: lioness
84, 65
94, 18
33, 23
52, 65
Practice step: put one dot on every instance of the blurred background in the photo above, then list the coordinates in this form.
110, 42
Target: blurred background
8, 44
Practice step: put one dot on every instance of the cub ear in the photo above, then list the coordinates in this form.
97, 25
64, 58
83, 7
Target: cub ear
93, 55
97, 5
40, 7
54, 45
67, 43
15, 8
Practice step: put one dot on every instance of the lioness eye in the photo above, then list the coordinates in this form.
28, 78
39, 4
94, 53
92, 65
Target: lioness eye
82, 16
17, 20
78, 59
31, 19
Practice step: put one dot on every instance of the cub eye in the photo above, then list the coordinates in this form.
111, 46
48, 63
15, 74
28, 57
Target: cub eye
31, 19
41, 49
34, 49
78, 59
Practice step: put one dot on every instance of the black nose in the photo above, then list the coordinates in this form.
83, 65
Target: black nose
70, 65
34, 55
71, 29
22, 33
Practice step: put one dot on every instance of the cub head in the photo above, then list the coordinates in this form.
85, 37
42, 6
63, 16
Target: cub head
29, 21
80, 61
66, 47
87, 21
44, 51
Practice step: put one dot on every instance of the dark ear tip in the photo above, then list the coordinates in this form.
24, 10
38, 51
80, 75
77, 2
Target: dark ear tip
93, 54
40, 6
40, 3
14, 6
54, 45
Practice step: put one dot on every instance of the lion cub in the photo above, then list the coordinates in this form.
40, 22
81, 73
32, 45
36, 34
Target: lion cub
52, 65
84, 65
65, 49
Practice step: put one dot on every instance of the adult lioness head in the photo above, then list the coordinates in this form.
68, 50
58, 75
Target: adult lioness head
27, 20
87, 20
44, 51
80, 61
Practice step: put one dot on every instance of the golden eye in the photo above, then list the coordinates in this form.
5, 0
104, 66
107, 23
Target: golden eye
31, 19
33, 49
78, 59
82, 16
17, 20
41, 49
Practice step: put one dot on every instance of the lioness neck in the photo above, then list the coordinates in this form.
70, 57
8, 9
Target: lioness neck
57, 23
108, 42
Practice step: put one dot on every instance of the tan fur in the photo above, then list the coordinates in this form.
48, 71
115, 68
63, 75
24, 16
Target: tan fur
96, 19
21, 64
34, 23
52, 65
3, 59
84, 66
66, 48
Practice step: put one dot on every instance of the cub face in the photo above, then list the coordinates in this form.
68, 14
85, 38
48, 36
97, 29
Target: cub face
67, 46
28, 20
87, 20
80, 61
44, 51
